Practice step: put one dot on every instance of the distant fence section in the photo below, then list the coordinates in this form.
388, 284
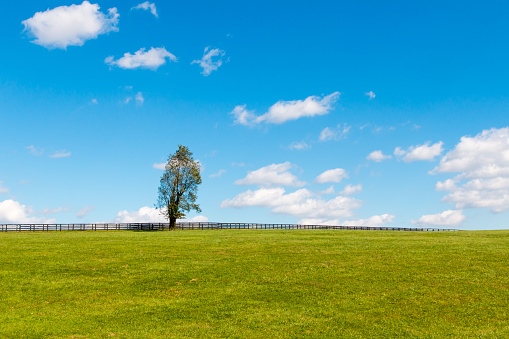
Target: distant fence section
196, 226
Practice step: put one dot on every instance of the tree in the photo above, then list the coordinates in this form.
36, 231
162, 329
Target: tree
179, 185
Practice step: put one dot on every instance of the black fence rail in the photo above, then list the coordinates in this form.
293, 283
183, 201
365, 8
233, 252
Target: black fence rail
196, 226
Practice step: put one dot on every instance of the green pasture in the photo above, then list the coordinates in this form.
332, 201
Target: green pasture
254, 284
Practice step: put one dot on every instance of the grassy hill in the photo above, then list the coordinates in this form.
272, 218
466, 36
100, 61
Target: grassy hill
254, 284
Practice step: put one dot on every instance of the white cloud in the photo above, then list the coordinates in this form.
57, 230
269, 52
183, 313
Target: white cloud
60, 154
376, 220
446, 218
3, 189
351, 189
318, 221
446, 185
299, 145
423, 152
84, 211
332, 175
139, 98
151, 59
94, 102
34, 150
486, 155
371, 95
159, 166
47, 211
13, 212
482, 162
378, 156
207, 62
340, 132
329, 190
284, 111
242, 116
275, 174
70, 25
198, 218
218, 174
299, 203
144, 214
149, 214
147, 6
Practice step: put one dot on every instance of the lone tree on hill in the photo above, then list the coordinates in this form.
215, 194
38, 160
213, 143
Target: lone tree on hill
179, 185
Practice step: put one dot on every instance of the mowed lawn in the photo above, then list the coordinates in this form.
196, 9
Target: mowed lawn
254, 284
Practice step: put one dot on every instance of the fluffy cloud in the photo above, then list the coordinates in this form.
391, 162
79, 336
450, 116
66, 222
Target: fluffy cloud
425, 152
376, 220
340, 132
275, 174
211, 60
151, 59
446, 218
70, 25
299, 203
484, 156
147, 6
149, 214
60, 154
351, 189
378, 156
371, 95
446, 185
13, 212
284, 111
3, 189
159, 166
482, 164
332, 175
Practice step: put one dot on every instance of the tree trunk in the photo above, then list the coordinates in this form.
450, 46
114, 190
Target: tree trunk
173, 221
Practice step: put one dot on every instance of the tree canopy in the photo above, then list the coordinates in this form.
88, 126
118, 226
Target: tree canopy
179, 186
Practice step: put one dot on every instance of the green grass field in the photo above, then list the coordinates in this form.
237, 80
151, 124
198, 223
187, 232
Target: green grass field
254, 284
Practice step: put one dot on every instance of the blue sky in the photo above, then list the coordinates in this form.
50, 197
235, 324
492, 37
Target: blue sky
373, 113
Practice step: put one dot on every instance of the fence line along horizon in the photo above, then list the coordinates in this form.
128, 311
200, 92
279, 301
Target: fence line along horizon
196, 226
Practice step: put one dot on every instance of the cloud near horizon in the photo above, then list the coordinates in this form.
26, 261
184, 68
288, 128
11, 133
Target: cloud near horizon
482, 164
275, 174
299, 203
13, 212
446, 218
150, 214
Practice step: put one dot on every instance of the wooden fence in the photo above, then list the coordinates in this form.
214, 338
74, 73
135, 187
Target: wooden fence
195, 226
